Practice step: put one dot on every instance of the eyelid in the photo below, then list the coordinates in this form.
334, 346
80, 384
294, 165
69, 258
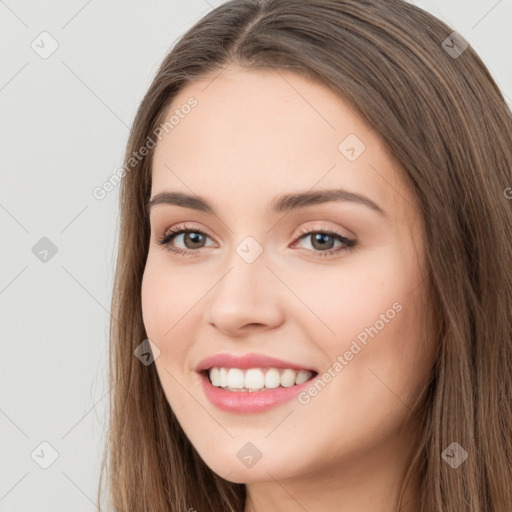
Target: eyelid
316, 226
178, 230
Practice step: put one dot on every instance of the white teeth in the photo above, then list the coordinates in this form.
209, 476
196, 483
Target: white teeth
223, 378
302, 376
214, 376
236, 378
254, 379
288, 378
272, 379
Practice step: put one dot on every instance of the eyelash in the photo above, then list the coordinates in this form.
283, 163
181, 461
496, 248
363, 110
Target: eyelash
173, 232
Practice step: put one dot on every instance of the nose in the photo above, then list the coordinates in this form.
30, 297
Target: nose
247, 297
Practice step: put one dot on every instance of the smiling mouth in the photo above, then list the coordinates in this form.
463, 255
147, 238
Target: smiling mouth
256, 379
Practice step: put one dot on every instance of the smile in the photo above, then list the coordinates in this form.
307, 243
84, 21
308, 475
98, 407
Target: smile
256, 379
244, 399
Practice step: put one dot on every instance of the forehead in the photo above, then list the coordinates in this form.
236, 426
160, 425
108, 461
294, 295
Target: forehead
270, 131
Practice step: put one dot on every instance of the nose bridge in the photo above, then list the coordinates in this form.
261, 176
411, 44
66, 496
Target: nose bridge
247, 292
246, 271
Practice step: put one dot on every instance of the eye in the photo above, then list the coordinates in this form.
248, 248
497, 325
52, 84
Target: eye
321, 241
191, 236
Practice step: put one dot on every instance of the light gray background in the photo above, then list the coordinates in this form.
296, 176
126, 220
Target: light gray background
64, 123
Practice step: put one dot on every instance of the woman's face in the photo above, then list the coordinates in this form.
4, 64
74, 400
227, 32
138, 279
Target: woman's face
256, 282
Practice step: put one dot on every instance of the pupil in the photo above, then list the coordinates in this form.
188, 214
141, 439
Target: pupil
319, 237
195, 237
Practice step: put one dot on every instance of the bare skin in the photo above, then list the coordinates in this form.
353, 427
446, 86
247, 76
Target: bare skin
251, 138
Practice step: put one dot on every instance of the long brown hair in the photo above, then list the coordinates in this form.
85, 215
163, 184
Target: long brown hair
444, 119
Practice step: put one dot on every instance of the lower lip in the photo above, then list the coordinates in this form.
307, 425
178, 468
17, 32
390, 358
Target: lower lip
249, 401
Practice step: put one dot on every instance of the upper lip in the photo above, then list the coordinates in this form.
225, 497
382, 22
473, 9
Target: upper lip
252, 360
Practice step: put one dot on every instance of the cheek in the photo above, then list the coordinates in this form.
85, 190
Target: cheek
166, 296
172, 298
153, 300
370, 311
349, 297
171, 309
380, 334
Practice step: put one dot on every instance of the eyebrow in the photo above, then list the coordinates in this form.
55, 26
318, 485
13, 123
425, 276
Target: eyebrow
281, 204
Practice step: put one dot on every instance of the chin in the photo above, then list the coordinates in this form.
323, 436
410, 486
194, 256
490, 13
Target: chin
234, 470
